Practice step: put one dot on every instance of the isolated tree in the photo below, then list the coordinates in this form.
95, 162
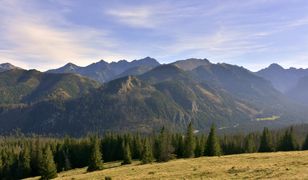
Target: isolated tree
189, 142
95, 161
266, 143
288, 142
164, 146
212, 145
47, 166
24, 167
305, 144
127, 157
147, 155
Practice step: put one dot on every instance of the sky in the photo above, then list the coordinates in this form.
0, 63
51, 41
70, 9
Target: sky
46, 34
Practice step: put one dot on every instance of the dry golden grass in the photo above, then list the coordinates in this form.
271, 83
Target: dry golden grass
279, 165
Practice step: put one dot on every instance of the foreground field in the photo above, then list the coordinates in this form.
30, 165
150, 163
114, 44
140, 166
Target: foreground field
280, 165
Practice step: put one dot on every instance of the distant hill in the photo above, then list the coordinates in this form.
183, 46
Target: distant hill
22, 86
7, 66
300, 91
103, 71
170, 95
283, 79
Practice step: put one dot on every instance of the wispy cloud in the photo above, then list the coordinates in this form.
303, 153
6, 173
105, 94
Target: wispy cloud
46, 34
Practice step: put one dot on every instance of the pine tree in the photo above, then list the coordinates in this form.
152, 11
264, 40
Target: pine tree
305, 144
137, 147
249, 146
189, 142
164, 146
212, 145
127, 157
24, 167
179, 145
95, 161
199, 146
266, 143
288, 142
1, 166
147, 155
47, 166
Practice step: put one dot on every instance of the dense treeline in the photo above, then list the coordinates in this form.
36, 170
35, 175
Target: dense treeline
22, 156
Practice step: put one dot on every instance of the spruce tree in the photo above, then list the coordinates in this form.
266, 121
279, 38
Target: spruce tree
24, 167
212, 145
95, 161
288, 142
249, 146
305, 144
189, 142
47, 166
164, 146
199, 146
137, 147
127, 157
266, 143
147, 155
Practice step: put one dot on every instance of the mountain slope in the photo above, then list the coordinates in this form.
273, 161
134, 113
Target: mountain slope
21, 86
300, 92
103, 71
229, 96
282, 79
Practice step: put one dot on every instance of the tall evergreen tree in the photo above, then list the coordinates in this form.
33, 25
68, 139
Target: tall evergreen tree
266, 143
164, 146
249, 146
137, 147
288, 142
24, 167
47, 166
95, 161
200, 143
212, 145
147, 155
305, 144
189, 142
127, 157
179, 145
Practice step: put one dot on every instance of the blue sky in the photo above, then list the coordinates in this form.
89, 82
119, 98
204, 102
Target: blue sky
45, 34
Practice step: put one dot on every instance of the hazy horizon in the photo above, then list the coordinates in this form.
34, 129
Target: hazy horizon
48, 34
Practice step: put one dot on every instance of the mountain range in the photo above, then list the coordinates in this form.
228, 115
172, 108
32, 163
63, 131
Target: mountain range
292, 82
103, 71
143, 95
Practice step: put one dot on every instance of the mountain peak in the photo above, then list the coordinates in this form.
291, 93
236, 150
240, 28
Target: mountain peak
191, 63
147, 61
275, 66
7, 66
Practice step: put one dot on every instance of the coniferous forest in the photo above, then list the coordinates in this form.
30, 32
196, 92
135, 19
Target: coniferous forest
24, 156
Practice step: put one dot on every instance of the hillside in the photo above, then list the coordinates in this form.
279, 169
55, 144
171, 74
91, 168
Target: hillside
22, 86
229, 96
279, 165
300, 91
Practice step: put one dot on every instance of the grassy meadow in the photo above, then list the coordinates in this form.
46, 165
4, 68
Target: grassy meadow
277, 165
